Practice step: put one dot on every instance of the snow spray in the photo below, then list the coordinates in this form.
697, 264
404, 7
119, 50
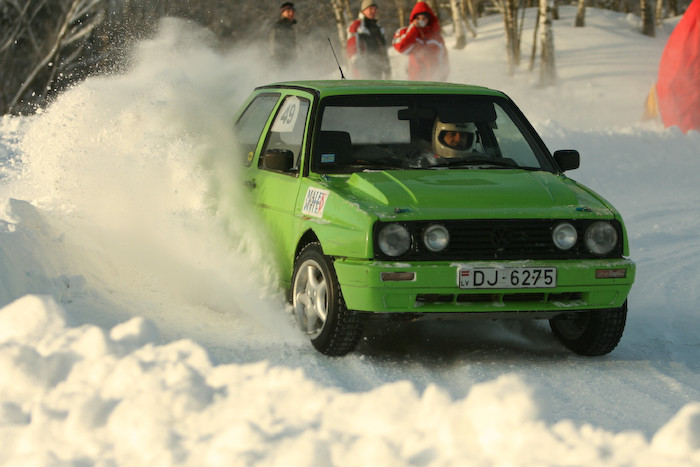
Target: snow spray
145, 162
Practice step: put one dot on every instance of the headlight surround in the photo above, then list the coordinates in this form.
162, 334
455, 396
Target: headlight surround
564, 236
436, 238
394, 240
601, 237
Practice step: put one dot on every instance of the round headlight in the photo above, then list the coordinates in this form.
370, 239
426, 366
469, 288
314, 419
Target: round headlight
564, 236
394, 240
436, 237
601, 238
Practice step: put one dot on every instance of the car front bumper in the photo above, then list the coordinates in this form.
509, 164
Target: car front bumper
432, 287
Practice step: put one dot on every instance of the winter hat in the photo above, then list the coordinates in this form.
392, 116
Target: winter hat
422, 8
286, 6
366, 4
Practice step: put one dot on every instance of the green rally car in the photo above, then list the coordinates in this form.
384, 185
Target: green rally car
428, 200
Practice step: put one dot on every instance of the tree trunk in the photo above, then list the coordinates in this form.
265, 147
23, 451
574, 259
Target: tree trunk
672, 8
433, 5
659, 16
340, 20
547, 64
647, 19
511, 26
400, 8
458, 23
581, 14
533, 54
473, 7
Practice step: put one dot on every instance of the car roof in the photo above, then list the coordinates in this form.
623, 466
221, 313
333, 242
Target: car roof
363, 87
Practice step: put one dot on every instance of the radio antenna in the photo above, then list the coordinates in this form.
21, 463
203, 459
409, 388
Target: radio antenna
342, 76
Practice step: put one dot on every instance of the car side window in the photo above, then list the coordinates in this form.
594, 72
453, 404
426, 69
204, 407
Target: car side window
252, 122
286, 134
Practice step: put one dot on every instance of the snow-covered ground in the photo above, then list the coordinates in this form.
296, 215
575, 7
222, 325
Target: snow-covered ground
140, 323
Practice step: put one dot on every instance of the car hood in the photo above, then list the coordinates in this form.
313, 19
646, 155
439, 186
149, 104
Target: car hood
484, 193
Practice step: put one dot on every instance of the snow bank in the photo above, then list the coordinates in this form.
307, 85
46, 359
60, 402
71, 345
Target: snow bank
86, 395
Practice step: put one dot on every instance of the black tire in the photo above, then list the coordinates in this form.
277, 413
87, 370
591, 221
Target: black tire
590, 333
318, 304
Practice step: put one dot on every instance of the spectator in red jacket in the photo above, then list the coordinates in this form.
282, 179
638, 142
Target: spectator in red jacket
367, 45
424, 45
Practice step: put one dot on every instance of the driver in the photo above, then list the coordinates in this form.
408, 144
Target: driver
449, 141
453, 140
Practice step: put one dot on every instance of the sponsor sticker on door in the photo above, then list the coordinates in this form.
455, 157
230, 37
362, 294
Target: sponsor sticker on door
315, 202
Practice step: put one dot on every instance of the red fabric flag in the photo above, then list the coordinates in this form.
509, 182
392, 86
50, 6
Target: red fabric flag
678, 83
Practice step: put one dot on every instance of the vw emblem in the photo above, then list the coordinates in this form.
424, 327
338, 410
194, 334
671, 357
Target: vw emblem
500, 237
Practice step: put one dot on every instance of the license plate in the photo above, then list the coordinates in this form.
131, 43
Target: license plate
507, 278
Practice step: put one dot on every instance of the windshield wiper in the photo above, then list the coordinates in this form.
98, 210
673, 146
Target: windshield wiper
506, 163
386, 164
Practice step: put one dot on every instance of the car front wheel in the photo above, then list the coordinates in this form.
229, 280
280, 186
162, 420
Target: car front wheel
318, 304
590, 333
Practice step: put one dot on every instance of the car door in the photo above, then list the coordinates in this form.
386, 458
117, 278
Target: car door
275, 188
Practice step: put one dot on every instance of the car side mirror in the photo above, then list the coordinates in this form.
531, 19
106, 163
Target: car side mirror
567, 159
278, 160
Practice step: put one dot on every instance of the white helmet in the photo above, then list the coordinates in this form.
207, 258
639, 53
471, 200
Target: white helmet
460, 138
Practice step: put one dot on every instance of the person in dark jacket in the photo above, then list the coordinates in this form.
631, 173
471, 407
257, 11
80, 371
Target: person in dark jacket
283, 40
367, 45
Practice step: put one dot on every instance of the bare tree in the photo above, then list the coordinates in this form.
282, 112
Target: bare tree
471, 10
401, 10
647, 18
547, 64
510, 20
433, 4
672, 8
51, 36
342, 15
659, 14
535, 30
458, 23
581, 14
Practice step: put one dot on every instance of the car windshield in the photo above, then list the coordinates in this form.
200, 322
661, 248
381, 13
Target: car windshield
403, 132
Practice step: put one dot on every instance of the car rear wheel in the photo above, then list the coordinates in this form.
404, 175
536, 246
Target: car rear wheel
318, 304
590, 333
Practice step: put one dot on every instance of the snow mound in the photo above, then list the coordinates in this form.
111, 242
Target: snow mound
681, 436
89, 396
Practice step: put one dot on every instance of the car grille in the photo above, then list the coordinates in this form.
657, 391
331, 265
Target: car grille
487, 297
497, 239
